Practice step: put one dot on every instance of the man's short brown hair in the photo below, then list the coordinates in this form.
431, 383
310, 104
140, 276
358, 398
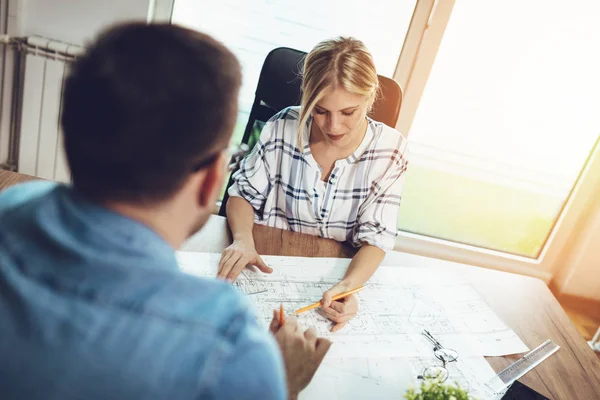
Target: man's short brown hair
143, 106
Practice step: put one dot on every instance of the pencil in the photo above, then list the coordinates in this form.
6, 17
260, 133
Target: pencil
281, 315
336, 297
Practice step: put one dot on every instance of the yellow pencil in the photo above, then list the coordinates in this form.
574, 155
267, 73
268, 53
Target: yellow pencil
336, 297
281, 315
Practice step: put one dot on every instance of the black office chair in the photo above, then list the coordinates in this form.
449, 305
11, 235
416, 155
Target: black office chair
279, 86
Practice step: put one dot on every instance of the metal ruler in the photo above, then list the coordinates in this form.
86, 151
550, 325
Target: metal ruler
516, 370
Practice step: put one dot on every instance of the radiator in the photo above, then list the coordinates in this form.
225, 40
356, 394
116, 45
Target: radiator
36, 135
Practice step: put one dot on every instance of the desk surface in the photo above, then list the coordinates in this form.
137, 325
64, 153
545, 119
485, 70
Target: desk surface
524, 303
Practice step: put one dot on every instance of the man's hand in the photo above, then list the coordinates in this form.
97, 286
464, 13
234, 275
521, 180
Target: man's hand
302, 352
236, 257
339, 311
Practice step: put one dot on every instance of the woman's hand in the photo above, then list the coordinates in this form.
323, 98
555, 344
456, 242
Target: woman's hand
339, 311
236, 257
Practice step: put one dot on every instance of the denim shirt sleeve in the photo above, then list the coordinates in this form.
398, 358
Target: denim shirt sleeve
21, 193
254, 368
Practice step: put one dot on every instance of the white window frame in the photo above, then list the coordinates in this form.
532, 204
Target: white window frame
160, 10
546, 264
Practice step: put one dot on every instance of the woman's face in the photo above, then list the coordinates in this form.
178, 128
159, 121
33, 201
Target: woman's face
341, 117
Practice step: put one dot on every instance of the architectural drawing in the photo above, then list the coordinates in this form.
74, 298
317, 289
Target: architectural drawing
385, 378
395, 307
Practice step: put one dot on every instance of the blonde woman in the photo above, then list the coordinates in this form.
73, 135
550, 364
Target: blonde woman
326, 169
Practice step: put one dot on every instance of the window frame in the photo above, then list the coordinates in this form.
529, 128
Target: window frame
544, 267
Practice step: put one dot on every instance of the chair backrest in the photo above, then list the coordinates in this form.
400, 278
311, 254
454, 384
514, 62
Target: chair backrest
279, 86
387, 105
280, 81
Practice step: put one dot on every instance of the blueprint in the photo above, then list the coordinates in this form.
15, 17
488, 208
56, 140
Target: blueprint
385, 378
397, 304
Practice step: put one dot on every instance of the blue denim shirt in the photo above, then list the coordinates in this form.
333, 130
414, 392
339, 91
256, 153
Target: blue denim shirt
93, 306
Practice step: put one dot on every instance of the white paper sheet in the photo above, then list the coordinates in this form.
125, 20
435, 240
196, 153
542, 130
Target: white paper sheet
397, 304
390, 378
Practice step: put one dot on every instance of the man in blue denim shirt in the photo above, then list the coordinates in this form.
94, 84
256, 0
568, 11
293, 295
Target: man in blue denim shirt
92, 304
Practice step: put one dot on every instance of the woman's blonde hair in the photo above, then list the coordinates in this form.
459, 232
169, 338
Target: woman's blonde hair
343, 61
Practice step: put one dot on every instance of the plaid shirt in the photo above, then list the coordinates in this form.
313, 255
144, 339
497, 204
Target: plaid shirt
360, 201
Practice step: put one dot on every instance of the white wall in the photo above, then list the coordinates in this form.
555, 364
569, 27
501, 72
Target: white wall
78, 21
72, 21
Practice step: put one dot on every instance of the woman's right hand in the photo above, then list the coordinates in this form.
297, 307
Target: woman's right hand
236, 257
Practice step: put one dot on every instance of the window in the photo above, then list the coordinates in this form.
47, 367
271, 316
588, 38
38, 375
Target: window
505, 124
253, 28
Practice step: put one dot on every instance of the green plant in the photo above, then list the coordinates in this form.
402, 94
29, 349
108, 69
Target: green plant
432, 389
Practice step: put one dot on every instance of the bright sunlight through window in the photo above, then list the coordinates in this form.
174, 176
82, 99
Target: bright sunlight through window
506, 122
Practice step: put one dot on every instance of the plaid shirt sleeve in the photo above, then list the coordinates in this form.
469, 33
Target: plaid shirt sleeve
254, 179
378, 215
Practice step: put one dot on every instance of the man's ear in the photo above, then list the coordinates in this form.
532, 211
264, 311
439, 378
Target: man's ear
211, 185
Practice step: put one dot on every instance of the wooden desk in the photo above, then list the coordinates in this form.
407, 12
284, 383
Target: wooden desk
8, 178
524, 303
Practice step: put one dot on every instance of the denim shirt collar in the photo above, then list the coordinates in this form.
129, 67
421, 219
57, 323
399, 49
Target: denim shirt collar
121, 232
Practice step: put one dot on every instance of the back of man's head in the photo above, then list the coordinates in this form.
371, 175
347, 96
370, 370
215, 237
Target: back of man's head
144, 106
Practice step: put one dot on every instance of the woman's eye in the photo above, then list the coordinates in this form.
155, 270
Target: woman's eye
347, 114
320, 112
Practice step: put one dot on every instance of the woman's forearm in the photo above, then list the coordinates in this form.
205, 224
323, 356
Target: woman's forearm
240, 217
363, 265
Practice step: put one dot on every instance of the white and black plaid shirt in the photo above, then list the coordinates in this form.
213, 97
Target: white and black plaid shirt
360, 201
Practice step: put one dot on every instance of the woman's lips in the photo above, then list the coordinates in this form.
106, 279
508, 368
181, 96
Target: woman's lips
336, 137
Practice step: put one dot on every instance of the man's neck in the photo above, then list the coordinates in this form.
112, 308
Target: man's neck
157, 218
